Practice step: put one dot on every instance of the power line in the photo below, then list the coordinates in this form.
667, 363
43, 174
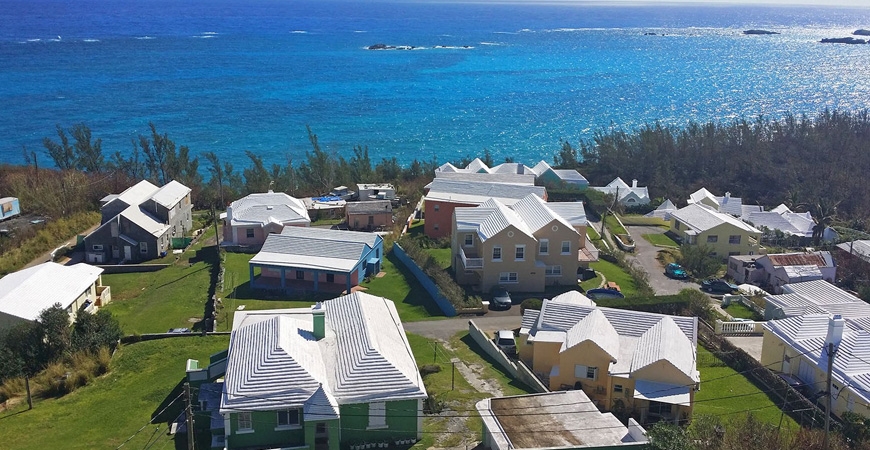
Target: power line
150, 422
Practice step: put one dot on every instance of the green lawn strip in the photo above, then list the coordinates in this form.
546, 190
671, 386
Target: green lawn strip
453, 390
412, 301
740, 311
660, 239
144, 377
174, 297
592, 283
331, 221
635, 219
593, 233
443, 256
613, 225
733, 394
613, 272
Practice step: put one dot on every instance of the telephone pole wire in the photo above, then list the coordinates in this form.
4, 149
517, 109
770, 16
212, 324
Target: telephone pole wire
188, 412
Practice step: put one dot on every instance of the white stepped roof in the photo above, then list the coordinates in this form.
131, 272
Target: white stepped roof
597, 329
260, 208
537, 214
138, 193
489, 219
502, 178
315, 248
860, 248
665, 342
477, 165
818, 296
170, 194
573, 212
574, 297
144, 220
27, 292
701, 218
275, 362
475, 193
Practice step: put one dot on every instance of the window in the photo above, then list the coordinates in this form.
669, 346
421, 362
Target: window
733, 254
371, 220
300, 275
553, 271
734, 239
330, 278
437, 207
677, 226
436, 227
243, 421
662, 409
581, 371
469, 239
566, 247
507, 277
496, 253
143, 247
617, 388
97, 247
320, 428
377, 253
712, 239
288, 418
520, 254
544, 247
249, 232
377, 415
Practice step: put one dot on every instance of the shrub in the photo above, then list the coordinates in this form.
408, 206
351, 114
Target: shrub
11, 387
45, 240
429, 369
454, 293
531, 303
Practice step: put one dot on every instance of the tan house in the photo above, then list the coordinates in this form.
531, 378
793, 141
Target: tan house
724, 234
638, 363
250, 220
26, 293
795, 346
369, 215
522, 248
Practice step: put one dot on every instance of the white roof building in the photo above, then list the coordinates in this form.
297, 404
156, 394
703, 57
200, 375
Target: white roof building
277, 360
627, 195
261, 209
861, 249
475, 193
725, 204
307, 248
663, 211
814, 297
701, 218
26, 293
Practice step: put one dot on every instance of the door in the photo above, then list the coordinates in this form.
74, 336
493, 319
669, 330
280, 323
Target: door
128, 253
321, 436
116, 253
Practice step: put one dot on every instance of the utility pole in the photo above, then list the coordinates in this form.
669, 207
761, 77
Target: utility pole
27, 387
831, 352
188, 412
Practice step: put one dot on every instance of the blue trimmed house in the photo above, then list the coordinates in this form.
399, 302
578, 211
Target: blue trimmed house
316, 259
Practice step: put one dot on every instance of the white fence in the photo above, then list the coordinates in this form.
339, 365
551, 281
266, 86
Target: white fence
742, 327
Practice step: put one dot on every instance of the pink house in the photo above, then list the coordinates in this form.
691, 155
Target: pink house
249, 220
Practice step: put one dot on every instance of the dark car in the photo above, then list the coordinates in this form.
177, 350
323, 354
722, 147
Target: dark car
718, 286
501, 299
676, 271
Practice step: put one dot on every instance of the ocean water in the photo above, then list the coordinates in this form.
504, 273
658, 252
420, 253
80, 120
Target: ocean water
235, 75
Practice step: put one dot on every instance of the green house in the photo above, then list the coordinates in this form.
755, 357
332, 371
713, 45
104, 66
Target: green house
339, 375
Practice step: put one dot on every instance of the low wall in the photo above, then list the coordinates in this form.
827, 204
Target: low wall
132, 268
154, 336
446, 307
517, 369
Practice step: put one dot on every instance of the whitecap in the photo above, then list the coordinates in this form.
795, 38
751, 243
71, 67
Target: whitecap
526, 30
298, 32
360, 31
34, 40
145, 37
491, 43
209, 32
90, 40
504, 32
207, 36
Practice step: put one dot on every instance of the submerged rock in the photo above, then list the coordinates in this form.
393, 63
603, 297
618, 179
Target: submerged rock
845, 40
759, 32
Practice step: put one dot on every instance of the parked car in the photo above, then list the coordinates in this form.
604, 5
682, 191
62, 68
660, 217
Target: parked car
501, 299
676, 271
718, 286
506, 342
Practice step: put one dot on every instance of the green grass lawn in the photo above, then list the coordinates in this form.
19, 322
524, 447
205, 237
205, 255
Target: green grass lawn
412, 301
442, 255
636, 219
143, 378
660, 240
743, 394
592, 283
615, 273
455, 392
154, 302
613, 225
739, 310
593, 233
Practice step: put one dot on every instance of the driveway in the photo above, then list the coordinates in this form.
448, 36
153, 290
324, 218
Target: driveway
445, 329
645, 255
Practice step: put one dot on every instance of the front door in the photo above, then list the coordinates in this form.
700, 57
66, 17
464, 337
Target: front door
116, 253
321, 436
128, 253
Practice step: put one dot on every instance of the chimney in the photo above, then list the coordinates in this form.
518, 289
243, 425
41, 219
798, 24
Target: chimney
634, 183
727, 197
836, 324
318, 313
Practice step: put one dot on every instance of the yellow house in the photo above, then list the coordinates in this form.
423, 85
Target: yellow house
627, 362
724, 234
795, 345
522, 248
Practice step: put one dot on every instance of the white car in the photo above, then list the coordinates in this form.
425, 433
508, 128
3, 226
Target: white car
506, 342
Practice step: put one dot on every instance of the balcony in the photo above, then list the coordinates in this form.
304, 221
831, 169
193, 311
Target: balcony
104, 296
588, 253
470, 263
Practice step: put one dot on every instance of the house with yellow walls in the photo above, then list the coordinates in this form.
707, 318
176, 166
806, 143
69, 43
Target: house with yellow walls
523, 247
797, 346
724, 234
627, 362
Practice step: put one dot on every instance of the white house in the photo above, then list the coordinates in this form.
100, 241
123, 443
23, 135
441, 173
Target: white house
814, 297
249, 220
633, 195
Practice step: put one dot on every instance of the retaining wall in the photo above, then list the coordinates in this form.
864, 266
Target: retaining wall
132, 268
516, 369
446, 307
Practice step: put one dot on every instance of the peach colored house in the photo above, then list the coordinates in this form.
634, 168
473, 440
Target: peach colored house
445, 195
249, 220
369, 215
521, 248
638, 363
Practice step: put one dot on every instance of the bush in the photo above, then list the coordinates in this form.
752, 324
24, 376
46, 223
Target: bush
697, 260
531, 303
429, 369
11, 388
46, 239
454, 293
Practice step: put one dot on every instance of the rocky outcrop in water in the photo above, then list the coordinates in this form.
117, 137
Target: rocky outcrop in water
845, 40
391, 47
861, 32
759, 32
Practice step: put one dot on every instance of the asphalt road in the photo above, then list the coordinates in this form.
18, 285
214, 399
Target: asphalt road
645, 255
445, 329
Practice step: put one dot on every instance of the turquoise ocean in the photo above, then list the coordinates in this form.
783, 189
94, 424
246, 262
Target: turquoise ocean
235, 75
